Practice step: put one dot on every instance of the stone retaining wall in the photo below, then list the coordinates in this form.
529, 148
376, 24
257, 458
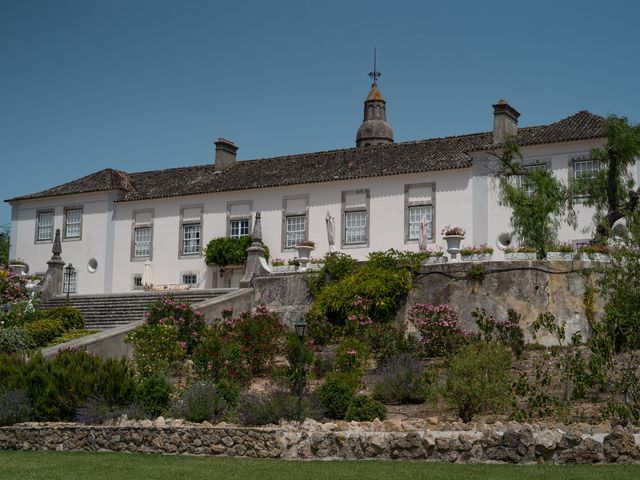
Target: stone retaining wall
311, 440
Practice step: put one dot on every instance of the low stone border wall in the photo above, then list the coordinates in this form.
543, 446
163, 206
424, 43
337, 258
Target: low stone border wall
311, 440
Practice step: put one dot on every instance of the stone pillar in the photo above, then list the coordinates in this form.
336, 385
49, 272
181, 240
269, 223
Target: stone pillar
52, 283
256, 264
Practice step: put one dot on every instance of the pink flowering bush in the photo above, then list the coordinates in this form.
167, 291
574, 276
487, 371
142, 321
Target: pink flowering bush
189, 323
12, 287
259, 333
352, 356
438, 327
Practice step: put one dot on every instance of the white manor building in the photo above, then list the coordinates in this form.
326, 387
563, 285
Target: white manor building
113, 222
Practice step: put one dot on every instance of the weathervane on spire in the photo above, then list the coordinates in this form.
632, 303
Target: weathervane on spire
375, 74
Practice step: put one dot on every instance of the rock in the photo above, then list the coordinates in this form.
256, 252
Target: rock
589, 451
620, 446
159, 422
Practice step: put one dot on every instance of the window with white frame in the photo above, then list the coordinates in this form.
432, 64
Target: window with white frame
239, 228
525, 184
239, 214
355, 227
295, 220
191, 239
190, 279
44, 226
72, 223
142, 235
142, 242
419, 203
585, 168
355, 208
296, 228
191, 231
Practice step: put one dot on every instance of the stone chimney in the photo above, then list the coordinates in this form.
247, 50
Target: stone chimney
505, 121
225, 154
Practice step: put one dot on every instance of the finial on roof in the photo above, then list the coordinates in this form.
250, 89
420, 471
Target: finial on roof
375, 74
57, 246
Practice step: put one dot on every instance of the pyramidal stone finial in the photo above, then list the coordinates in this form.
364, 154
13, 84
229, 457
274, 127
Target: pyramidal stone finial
57, 246
257, 229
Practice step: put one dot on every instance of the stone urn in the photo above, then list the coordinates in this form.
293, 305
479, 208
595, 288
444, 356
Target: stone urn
19, 268
453, 245
304, 256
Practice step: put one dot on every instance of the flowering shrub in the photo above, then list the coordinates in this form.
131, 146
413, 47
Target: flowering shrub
360, 318
277, 262
155, 347
507, 332
449, 230
12, 287
259, 333
482, 249
438, 327
595, 248
189, 323
433, 253
352, 356
522, 249
219, 356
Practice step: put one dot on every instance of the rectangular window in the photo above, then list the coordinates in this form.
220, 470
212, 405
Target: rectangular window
191, 239
137, 281
72, 223
525, 184
355, 227
416, 214
239, 228
585, 168
70, 283
142, 242
355, 218
419, 201
296, 228
190, 279
295, 220
44, 227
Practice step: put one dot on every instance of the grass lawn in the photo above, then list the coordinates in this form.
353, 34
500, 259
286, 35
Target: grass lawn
122, 466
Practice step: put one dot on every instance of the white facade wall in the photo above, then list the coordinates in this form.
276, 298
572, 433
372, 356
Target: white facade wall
467, 198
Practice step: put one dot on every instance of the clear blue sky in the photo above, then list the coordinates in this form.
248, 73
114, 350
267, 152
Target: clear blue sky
148, 84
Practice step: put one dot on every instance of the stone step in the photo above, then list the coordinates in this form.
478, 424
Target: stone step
106, 311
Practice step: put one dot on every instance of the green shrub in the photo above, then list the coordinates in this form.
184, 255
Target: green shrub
200, 402
19, 315
42, 332
96, 410
154, 394
218, 357
363, 408
230, 391
388, 340
70, 318
478, 379
72, 335
15, 407
155, 347
223, 251
508, 333
319, 329
401, 380
389, 259
336, 393
270, 407
352, 356
337, 266
293, 376
14, 339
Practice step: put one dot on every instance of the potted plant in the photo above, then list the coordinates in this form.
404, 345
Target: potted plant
18, 267
561, 251
453, 237
595, 252
482, 253
279, 265
304, 248
520, 253
434, 257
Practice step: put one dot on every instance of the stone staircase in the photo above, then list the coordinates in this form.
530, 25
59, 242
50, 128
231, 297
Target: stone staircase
105, 311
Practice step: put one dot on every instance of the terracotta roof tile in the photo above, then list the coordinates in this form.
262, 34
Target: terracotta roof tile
391, 159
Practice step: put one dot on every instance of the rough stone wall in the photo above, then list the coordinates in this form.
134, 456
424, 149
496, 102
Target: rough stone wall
528, 287
286, 294
514, 443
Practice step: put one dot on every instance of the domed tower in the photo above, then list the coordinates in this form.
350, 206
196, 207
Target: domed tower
374, 129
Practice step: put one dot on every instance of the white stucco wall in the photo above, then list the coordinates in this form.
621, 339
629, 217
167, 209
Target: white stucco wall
465, 198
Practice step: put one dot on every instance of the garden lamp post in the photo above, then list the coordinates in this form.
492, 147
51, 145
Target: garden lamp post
301, 331
69, 271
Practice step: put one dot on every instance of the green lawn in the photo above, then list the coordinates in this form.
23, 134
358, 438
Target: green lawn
122, 466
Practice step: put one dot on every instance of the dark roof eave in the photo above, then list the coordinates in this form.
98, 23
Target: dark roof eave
54, 195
